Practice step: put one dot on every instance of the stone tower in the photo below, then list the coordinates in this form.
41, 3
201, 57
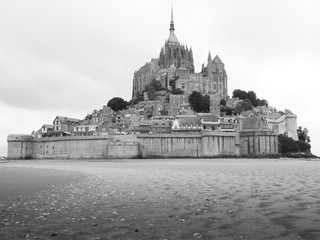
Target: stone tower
175, 63
175, 53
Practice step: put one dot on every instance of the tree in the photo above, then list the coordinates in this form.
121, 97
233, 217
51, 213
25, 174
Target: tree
228, 111
157, 85
136, 100
242, 106
303, 146
259, 102
117, 104
198, 102
303, 134
287, 144
223, 102
239, 94
151, 92
263, 102
251, 95
177, 91
206, 103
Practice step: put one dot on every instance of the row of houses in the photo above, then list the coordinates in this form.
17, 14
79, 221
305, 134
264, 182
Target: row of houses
129, 122
165, 116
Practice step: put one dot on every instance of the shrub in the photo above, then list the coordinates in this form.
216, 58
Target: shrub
287, 145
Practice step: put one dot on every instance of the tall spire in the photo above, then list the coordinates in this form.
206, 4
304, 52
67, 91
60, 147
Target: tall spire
172, 36
171, 22
209, 57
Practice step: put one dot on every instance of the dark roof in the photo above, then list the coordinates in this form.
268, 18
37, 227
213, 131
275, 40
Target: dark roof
210, 118
47, 125
161, 123
189, 120
67, 119
253, 123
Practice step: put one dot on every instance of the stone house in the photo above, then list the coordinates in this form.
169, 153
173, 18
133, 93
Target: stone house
161, 126
45, 131
187, 124
210, 122
176, 101
84, 130
63, 126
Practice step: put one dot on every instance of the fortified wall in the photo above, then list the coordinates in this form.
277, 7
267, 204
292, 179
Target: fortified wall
197, 145
192, 145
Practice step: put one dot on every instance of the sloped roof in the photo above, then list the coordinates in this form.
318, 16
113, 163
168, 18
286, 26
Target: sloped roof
217, 59
173, 38
189, 121
254, 123
67, 119
210, 118
47, 125
161, 123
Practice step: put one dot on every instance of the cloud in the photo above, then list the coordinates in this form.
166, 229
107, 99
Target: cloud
33, 84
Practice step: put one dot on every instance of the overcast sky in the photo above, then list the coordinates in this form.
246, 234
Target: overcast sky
70, 57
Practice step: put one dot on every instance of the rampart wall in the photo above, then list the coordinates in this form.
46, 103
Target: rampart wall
258, 143
197, 145
189, 145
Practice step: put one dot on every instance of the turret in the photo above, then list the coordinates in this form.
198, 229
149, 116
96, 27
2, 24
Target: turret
209, 57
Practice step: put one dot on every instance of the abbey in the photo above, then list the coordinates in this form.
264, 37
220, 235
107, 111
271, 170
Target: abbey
176, 64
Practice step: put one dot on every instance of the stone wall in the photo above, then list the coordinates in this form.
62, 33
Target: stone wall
19, 146
258, 143
220, 144
211, 144
75, 147
177, 145
170, 145
123, 150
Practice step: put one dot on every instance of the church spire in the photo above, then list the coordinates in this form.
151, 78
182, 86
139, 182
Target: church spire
209, 57
172, 36
171, 22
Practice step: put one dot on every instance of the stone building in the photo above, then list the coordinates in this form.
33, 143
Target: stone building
176, 65
63, 126
256, 138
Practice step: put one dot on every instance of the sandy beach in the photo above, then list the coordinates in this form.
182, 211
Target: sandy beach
160, 199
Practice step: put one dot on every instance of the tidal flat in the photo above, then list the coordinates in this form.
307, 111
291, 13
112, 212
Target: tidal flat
160, 199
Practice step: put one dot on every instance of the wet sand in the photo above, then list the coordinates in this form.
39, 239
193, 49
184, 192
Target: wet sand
161, 199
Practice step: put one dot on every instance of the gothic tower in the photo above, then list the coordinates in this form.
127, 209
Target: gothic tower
173, 53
